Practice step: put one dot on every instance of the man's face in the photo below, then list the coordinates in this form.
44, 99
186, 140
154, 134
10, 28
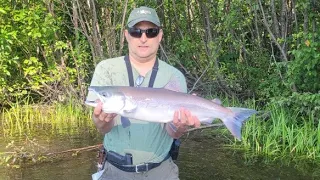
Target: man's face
143, 48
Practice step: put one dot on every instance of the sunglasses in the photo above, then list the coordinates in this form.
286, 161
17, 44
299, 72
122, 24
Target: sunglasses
137, 33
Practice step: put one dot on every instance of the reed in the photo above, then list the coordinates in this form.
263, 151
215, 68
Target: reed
285, 135
23, 125
276, 133
57, 118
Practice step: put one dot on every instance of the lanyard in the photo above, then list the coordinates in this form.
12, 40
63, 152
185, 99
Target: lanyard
130, 74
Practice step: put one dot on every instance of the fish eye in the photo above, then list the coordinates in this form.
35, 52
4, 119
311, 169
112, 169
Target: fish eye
105, 94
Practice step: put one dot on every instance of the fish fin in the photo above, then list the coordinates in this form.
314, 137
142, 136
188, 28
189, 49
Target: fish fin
234, 121
207, 121
174, 85
125, 122
217, 101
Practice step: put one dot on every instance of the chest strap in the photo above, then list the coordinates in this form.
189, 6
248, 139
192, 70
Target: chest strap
130, 74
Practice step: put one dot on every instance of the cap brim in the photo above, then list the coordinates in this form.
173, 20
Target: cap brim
134, 22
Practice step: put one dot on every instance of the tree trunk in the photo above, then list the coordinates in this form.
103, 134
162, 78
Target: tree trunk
275, 20
273, 37
96, 36
122, 25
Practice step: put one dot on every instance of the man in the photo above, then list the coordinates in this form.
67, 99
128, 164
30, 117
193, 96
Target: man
140, 151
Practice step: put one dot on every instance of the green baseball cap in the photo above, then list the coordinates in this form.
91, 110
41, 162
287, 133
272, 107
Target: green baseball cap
143, 13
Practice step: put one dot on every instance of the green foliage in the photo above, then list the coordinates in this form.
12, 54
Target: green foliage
33, 59
302, 75
304, 70
306, 104
217, 41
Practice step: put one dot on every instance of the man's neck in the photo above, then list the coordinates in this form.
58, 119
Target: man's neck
142, 66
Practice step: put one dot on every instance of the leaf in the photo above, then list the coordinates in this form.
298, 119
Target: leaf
7, 159
2, 11
307, 42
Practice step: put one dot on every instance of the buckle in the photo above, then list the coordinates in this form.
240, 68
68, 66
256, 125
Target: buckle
146, 165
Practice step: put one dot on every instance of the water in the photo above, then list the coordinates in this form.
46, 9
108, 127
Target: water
201, 157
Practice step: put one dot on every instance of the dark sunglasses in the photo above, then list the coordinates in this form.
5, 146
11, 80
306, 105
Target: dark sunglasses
137, 33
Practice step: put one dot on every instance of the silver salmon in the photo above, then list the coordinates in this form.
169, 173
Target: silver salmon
159, 105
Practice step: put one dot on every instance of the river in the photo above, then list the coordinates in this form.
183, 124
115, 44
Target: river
201, 157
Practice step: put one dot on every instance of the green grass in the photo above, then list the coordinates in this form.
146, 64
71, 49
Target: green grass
55, 118
23, 125
281, 135
284, 135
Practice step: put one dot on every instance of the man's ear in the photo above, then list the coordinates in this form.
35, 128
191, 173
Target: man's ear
126, 33
160, 35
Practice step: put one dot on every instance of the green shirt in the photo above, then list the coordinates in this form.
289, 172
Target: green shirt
146, 141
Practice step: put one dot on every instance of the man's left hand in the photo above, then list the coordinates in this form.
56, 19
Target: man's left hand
183, 119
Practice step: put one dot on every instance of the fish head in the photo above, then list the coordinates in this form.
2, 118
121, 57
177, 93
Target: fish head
112, 101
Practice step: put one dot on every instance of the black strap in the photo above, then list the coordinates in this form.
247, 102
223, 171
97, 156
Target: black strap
129, 70
153, 73
137, 168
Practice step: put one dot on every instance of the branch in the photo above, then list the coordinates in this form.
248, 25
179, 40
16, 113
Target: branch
271, 34
205, 127
122, 25
88, 148
203, 72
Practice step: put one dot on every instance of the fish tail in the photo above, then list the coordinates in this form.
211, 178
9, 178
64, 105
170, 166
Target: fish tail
235, 120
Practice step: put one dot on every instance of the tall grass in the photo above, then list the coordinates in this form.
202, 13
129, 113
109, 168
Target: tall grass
284, 135
23, 124
57, 118
277, 133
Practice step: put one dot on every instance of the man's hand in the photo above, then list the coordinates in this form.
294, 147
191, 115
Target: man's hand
103, 121
182, 120
99, 114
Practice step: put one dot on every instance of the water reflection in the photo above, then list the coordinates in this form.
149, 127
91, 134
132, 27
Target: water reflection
207, 159
200, 158
79, 168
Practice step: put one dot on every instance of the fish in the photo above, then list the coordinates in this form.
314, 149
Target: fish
159, 104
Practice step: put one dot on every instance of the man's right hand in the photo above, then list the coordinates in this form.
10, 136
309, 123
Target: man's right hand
103, 121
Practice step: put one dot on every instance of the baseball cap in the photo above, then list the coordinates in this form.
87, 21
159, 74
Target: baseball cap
143, 13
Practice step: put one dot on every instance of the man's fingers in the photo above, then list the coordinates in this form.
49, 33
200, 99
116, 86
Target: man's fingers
98, 109
197, 122
176, 118
102, 116
107, 117
183, 117
189, 118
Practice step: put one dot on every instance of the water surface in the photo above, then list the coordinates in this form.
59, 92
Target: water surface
201, 157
